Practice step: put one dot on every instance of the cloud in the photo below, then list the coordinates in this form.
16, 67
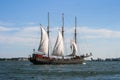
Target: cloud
14, 39
30, 34
24, 36
2, 29
98, 33
29, 37
31, 23
6, 23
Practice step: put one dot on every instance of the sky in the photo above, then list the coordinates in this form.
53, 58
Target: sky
98, 25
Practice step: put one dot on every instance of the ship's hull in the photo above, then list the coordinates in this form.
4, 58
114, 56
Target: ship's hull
47, 60
57, 61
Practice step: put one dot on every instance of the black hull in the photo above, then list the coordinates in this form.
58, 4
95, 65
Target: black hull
56, 61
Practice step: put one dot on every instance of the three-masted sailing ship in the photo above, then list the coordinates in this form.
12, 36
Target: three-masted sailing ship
42, 56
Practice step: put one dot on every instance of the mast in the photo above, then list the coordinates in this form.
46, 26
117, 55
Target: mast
75, 33
63, 25
48, 32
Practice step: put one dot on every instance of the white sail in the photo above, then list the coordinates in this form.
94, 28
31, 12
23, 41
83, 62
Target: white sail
59, 47
73, 48
43, 47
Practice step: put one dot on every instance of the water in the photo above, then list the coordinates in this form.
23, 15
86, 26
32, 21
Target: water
21, 70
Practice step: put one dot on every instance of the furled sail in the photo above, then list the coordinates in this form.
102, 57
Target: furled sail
59, 47
43, 47
73, 48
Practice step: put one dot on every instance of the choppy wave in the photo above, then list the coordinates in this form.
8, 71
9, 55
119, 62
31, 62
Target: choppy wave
90, 71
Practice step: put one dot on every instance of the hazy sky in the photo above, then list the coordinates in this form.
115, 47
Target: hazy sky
98, 23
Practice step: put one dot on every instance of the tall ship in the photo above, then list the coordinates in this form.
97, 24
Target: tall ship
57, 56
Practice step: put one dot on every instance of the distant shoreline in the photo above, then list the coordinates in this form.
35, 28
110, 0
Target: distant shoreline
14, 59
107, 59
26, 59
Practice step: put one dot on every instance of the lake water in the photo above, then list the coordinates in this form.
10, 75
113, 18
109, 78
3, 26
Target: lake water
24, 70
